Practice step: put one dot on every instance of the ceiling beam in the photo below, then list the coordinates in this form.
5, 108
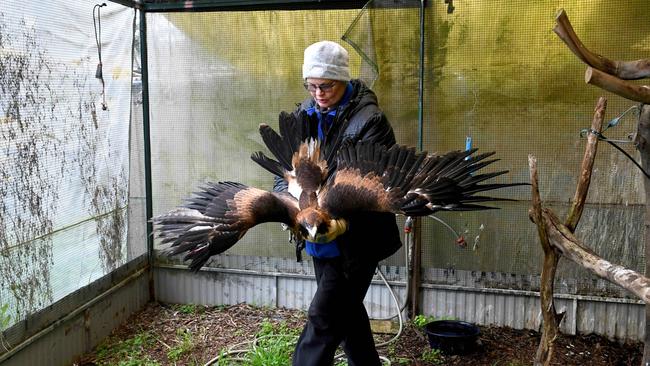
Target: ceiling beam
240, 5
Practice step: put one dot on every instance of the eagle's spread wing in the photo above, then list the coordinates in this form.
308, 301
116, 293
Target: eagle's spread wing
371, 177
217, 216
300, 159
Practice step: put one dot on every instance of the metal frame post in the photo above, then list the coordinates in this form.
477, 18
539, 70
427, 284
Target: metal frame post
147, 143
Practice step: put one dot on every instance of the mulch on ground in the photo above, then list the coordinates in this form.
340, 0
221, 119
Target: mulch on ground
216, 328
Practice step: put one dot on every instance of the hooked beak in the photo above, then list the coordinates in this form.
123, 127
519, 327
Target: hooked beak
311, 230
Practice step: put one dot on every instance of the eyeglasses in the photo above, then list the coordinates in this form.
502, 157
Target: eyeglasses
325, 87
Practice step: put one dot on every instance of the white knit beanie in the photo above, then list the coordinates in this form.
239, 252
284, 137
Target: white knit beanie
326, 60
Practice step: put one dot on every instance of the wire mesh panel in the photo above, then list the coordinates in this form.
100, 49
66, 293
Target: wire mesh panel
498, 74
63, 158
494, 73
216, 76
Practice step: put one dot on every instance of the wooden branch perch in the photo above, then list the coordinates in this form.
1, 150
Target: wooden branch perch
535, 212
580, 197
571, 248
626, 89
550, 318
628, 70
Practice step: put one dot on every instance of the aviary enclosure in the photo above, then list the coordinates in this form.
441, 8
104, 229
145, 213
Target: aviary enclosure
113, 113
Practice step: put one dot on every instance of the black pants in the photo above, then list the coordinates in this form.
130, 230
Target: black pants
337, 315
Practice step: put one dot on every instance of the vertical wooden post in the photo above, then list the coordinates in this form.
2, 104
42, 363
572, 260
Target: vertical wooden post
642, 142
416, 271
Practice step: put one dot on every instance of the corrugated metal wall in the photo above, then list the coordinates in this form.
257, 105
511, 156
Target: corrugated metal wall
449, 294
81, 330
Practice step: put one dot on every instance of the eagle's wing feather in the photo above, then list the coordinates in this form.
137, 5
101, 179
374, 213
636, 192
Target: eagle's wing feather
297, 143
214, 218
294, 130
371, 177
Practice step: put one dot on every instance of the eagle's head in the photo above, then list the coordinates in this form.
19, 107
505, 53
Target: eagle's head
317, 226
312, 222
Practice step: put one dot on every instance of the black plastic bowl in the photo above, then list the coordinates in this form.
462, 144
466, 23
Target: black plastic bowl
452, 336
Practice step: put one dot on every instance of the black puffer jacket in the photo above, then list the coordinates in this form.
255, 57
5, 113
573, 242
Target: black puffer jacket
371, 236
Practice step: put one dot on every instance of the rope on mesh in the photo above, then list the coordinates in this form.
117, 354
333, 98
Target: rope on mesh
97, 24
630, 137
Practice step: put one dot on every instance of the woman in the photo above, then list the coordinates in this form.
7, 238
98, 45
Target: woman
344, 267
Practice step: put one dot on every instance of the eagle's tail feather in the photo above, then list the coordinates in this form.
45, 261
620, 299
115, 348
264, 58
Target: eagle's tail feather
187, 230
199, 256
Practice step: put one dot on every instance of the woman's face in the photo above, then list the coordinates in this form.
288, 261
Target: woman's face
327, 93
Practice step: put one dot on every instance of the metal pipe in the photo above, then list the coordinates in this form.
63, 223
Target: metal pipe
408, 253
414, 278
421, 80
147, 143
252, 5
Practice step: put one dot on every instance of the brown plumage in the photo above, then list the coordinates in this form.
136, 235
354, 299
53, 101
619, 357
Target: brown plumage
324, 189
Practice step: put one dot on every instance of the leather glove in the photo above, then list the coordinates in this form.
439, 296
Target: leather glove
337, 227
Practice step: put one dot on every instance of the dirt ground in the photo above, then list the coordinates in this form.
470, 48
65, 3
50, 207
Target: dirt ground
153, 334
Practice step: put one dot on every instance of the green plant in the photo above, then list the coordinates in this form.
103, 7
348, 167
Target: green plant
129, 352
239, 332
223, 359
5, 317
403, 361
187, 308
273, 346
422, 320
5, 321
146, 361
185, 345
433, 356
391, 353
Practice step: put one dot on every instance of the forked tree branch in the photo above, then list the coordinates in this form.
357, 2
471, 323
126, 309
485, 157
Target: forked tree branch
551, 319
628, 70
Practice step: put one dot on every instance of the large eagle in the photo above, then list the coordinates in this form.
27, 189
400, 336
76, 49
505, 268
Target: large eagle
325, 186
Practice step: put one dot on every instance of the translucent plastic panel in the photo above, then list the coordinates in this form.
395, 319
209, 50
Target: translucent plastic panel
63, 158
494, 72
